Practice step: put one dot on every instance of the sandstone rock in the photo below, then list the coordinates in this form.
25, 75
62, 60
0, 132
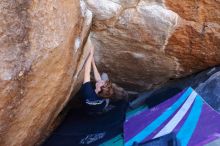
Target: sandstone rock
41, 60
148, 42
199, 11
126, 3
107, 9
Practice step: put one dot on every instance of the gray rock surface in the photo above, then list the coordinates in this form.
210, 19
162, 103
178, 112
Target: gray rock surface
206, 83
210, 90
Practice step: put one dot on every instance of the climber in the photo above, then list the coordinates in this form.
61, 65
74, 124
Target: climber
97, 99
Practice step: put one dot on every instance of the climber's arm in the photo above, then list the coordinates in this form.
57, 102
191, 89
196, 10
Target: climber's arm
88, 68
95, 70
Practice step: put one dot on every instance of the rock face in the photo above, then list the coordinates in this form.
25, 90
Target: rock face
144, 43
210, 90
141, 43
41, 57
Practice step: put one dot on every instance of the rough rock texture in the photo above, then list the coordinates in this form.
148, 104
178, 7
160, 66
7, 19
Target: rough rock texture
144, 43
210, 89
41, 53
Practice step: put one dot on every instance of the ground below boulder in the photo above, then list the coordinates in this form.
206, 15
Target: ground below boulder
206, 83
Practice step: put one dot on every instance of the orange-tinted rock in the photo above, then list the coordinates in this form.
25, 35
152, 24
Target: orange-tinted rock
196, 46
147, 42
199, 11
41, 60
196, 42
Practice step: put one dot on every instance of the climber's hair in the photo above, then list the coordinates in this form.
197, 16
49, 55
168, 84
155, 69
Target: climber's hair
106, 90
112, 91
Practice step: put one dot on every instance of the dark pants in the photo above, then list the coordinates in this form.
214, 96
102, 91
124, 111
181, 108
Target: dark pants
80, 128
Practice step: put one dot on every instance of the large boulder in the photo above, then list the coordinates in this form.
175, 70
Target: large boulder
42, 55
144, 43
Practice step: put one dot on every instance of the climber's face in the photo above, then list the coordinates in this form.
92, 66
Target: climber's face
99, 85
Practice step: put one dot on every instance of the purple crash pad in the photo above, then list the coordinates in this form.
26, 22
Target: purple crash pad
187, 115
